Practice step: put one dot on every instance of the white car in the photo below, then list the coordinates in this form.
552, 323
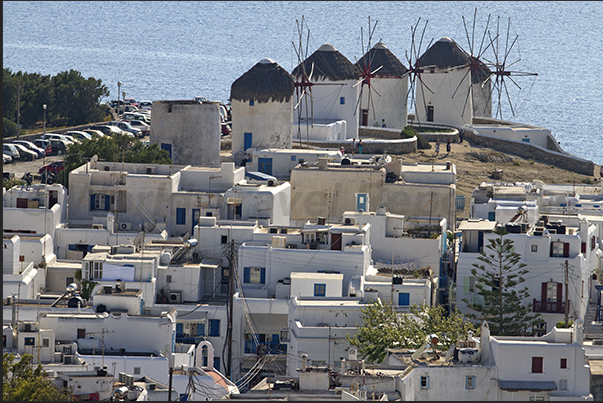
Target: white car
139, 124
78, 135
6, 159
145, 105
57, 136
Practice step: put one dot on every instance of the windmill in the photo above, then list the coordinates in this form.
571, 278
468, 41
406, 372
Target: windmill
366, 68
381, 73
325, 67
414, 71
480, 93
501, 64
303, 84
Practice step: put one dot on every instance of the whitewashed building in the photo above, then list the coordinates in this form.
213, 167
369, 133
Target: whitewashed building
328, 190
280, 162
384, 89
262, 106
331, 87
554, 254
189, 130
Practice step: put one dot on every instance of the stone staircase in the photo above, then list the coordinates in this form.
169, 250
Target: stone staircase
592, 331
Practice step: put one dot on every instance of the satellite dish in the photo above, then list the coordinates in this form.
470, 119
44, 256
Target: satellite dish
449, 353
71, 287
139, 239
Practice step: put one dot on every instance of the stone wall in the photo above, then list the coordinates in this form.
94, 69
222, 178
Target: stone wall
559, 159
379, 133
405, 146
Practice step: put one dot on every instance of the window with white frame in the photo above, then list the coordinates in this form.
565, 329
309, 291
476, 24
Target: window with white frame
255, 275
95, 270
551, 292
470, 382
424, 382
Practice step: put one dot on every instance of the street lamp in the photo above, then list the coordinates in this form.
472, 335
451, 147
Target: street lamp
118, 92
44, 106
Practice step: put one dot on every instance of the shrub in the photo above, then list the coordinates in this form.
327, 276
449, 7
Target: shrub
516, 163
561, 324
587, 181
407, 133
9, 128
422, 144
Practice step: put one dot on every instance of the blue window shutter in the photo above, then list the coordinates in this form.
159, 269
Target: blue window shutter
342, 100
427, 382
293, 158
217, 363
246, 275
404, 299
92, 200
263, 275
89, 248
201, 329
71, 247
179, 328
107, 202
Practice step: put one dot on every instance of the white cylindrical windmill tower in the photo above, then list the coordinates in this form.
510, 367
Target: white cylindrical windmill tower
443, 90
328, 79
481, 87
384, 89
262, 107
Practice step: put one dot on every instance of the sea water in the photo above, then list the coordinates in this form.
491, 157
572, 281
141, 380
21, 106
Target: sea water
179, 50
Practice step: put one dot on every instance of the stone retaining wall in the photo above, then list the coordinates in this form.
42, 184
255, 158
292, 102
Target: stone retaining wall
558, 159
369, 146
379, 133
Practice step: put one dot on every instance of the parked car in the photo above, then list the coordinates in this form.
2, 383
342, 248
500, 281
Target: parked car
145, 105
78, 135
126, 127
108, 130
57, 136
58, 146
6, 159
45, 144
129, 116
94, 133
144, 127
31, 146
26, 153
12, 150
131, 101
55, 167
201, 99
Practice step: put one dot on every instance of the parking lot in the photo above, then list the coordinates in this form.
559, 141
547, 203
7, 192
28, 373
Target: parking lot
18, 168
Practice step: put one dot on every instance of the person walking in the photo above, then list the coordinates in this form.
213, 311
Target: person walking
353, 146
437, 148
360, 146
383, 123
461, 135
448, 146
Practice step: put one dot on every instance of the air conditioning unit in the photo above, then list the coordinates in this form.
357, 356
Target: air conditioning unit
98, 226
125, 226
284, 334
175, 297
129, 380
349, 221
107, 168
29, 328
150, 170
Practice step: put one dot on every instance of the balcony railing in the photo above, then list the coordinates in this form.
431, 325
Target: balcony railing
189, 340
550, 306
271, 347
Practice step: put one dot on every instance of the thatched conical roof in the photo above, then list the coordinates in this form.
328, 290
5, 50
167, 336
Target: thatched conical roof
263, 82
328, 63
378, 56
444, 54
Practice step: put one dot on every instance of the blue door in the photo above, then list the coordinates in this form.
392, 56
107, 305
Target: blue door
265, 165
167, 147
196, 214
248, 141
404, 299
361, 202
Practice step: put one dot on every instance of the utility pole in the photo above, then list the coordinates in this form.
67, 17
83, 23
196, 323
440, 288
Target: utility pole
231, 258
170, 385
566, 291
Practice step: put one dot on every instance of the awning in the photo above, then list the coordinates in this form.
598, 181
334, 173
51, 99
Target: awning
533, 386
260, 176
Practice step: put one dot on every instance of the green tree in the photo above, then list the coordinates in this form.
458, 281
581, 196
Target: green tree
383, 327
113, 149
24, 382
497, 281
76, 100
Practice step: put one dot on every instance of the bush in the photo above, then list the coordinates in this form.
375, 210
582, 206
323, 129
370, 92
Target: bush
561, 324
422, 144
587, 181
407, 133
10, 128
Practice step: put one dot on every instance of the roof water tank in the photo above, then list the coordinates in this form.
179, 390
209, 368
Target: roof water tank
164, 258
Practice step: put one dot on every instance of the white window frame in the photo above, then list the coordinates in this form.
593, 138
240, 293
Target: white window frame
424, 381
99, 201
470, 382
